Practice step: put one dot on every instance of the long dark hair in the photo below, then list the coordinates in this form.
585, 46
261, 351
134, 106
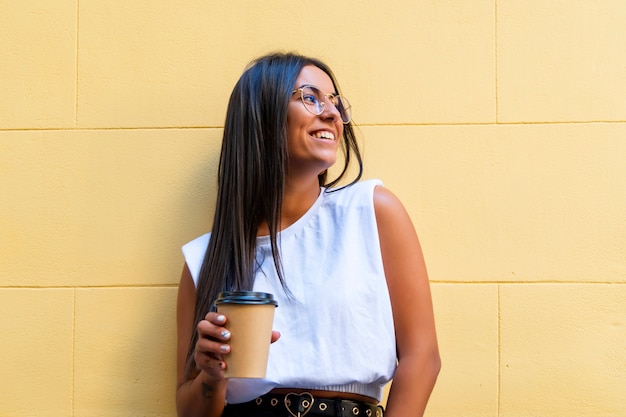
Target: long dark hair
251, 177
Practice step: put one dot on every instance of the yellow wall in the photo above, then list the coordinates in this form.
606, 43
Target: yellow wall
501, 124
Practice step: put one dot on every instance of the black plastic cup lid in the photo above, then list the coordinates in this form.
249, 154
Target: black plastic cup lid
245, 297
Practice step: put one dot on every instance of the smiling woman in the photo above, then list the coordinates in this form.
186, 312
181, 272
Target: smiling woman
344, 264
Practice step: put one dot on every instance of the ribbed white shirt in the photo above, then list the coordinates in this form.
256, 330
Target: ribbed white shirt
337, 331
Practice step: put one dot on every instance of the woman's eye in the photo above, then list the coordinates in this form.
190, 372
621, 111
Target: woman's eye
308, 98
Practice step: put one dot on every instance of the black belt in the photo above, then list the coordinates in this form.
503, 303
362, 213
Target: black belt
301, 405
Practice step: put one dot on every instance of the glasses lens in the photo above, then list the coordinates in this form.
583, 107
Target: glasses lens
343, 105
313, 100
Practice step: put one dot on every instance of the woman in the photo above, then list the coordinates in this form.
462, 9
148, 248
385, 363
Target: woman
345, 264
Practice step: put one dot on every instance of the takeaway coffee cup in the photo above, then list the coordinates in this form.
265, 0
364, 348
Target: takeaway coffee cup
250, 318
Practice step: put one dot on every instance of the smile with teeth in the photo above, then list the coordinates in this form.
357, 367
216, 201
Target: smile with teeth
324, 134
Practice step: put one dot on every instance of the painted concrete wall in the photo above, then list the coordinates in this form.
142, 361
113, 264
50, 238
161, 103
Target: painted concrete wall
501, 124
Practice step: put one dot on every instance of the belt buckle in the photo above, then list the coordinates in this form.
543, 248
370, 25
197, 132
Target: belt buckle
304, 403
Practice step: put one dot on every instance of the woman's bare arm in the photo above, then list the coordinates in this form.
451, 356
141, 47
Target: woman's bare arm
409, 289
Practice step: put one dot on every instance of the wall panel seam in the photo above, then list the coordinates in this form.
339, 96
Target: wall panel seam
499, 357
76, 77
363, 125
497, 103
73, 395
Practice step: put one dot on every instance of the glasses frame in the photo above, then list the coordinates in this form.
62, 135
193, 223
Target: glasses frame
332, 97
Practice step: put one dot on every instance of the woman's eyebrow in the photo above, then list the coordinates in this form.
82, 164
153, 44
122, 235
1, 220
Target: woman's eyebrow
335, 93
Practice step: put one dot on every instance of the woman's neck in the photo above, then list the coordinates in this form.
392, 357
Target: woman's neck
298, 198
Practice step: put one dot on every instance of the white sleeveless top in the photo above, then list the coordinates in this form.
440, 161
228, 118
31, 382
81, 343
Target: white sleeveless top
337, 330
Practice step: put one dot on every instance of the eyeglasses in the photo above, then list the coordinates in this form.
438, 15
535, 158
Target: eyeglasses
315, 101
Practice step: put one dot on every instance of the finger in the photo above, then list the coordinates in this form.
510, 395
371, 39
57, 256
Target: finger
212, 347
209, 330
207, 359
216, 318
275, 336
211, 364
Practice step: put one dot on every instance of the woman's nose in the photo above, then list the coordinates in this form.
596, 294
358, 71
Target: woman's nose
330, 110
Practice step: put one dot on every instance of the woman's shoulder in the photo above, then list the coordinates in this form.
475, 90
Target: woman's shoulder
390, 211
384, 199
198, 244
193, 252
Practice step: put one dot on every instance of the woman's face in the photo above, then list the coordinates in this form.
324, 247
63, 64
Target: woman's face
312, 140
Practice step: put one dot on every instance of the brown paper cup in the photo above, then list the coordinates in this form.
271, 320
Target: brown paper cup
250, 318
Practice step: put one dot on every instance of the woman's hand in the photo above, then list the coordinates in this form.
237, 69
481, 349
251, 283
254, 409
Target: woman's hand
212, 343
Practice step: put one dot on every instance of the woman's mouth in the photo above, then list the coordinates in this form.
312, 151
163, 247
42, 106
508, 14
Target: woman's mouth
323, 134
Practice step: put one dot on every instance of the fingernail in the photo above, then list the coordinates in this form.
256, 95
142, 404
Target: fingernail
224, 348
225, 334
221, 318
